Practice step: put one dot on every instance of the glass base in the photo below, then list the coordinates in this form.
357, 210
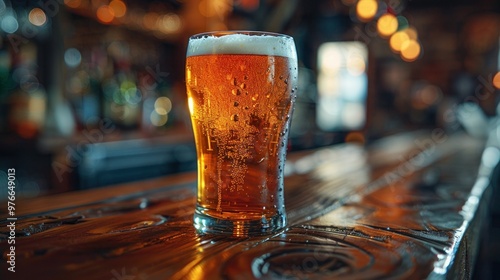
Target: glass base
205, 224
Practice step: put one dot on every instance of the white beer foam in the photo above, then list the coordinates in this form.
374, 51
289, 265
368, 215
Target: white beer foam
243, 44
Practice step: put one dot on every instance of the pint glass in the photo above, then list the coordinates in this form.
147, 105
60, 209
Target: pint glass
241, 88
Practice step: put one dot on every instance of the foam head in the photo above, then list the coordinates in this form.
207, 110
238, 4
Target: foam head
262, 44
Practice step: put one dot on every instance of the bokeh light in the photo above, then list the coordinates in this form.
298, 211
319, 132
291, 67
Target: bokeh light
411, 32
72, 57
397, 40
105, 14
402, 22
3, 7
366, 9
410, 50
9, 22
163, 105
73, 3
212, 8
119, 8
387, 24
37, 17
425, 96
158, 119
150, 20
496, 80
355, 137
169, 23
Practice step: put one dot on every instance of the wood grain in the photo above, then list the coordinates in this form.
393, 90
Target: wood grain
389, 210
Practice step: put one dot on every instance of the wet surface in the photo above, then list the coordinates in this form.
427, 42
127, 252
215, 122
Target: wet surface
351, 216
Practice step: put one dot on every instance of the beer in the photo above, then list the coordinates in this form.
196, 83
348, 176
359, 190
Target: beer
241, 91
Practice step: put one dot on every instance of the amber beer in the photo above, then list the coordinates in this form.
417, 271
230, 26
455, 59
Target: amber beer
241, 90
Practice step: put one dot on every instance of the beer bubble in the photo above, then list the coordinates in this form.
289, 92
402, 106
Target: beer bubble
234, 117
236, 91
236, 103
255, 97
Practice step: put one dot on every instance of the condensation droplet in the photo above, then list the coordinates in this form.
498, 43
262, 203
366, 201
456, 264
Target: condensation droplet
234, 82
243, 86
286, 81
236, 91
236, 103
281, 77
246, 108
255, 97
234, 117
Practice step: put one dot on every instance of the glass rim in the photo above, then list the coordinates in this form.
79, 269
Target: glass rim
221, 33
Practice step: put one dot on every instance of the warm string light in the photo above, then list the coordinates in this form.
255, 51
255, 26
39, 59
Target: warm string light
158, 21
366, 9
387, 24
403, 38
105, 14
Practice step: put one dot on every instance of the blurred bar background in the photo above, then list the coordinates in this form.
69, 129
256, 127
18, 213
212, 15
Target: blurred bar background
92, 91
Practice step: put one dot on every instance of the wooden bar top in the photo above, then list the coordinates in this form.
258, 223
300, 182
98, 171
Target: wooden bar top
409, 206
